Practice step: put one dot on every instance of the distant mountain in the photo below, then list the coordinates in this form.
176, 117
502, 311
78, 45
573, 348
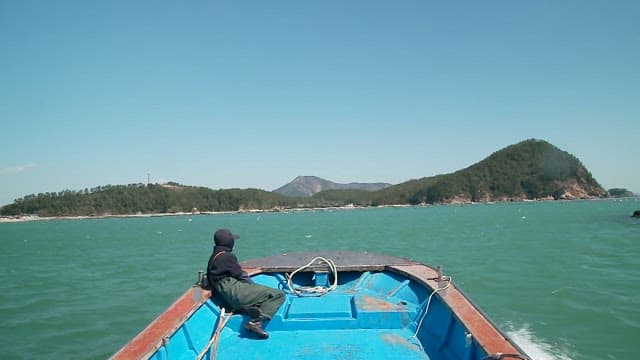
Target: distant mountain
305, 186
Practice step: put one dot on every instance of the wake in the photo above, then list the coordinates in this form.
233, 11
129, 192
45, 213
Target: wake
537, 349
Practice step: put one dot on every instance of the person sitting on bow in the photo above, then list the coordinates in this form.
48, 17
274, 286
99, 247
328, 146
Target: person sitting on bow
234, 288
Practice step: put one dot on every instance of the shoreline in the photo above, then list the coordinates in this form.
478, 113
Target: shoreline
27, 218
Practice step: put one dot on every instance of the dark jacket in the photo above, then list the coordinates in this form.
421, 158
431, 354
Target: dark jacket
223, 263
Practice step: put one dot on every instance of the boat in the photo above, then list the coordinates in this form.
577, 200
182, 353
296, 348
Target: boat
339, 305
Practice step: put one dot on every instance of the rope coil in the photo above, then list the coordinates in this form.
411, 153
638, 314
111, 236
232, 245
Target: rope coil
314, 290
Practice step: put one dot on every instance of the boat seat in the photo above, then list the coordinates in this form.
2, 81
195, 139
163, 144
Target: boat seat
375, 313
339, 310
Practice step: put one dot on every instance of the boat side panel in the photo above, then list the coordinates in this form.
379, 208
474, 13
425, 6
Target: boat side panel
193, 336
444, 337
470, 318
152, 337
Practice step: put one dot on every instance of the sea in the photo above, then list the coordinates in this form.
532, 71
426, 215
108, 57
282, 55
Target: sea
561, 278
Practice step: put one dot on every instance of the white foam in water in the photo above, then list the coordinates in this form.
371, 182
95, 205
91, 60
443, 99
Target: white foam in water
536, 348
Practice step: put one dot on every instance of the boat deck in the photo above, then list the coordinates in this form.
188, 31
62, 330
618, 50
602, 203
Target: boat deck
324, 344
342, 324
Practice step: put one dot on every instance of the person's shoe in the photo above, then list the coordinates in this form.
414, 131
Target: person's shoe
256, 328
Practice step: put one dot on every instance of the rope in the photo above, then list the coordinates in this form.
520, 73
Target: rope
222, 321
314, 290
426, 310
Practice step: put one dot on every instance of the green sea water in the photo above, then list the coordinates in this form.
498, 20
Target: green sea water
561, 278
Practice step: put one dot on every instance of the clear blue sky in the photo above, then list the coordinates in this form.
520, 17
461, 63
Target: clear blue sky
254, 93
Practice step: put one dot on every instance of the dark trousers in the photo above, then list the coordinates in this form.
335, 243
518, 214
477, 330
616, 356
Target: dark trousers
248, 297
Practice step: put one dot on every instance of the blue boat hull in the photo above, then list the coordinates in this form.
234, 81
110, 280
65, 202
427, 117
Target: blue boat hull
380, 308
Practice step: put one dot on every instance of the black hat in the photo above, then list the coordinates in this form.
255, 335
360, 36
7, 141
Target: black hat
224, 237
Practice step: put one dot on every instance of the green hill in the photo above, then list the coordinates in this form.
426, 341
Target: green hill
532, 169
618, 192
143, 199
